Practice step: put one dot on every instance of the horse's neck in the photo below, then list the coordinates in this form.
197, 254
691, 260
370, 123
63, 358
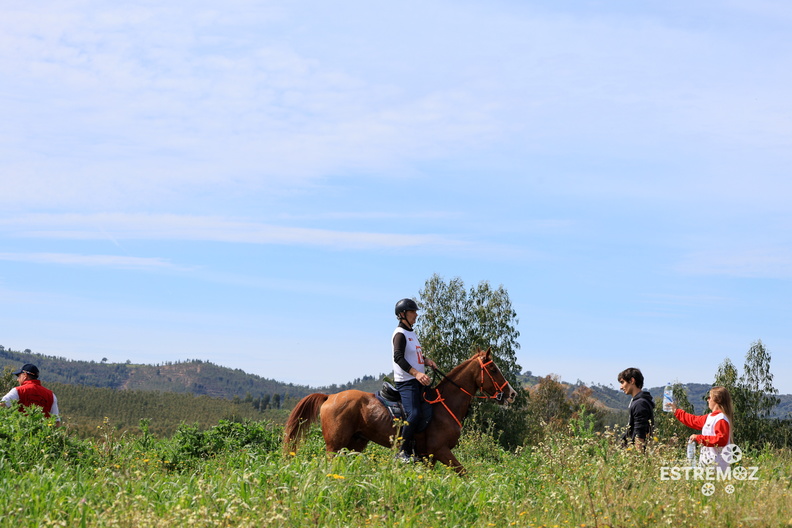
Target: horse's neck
458, 390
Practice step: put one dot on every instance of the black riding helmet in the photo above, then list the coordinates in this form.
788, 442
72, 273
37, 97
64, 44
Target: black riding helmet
405, 305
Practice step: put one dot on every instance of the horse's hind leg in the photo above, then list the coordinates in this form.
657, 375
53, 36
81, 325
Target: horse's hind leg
333, 442
336, 440
351, 442
358, 443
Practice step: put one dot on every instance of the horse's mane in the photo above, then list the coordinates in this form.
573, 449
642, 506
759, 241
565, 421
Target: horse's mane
465, 363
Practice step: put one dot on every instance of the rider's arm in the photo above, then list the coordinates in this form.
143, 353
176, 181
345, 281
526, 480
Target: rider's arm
399, 346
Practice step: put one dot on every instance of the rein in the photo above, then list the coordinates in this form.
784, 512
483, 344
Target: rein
498, 395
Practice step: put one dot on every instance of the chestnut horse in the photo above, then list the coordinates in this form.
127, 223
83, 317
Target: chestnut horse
352, 418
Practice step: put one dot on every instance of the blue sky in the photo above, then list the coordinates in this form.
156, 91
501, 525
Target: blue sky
257, 183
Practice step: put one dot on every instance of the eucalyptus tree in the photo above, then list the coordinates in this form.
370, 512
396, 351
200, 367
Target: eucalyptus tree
753, 396
455, 322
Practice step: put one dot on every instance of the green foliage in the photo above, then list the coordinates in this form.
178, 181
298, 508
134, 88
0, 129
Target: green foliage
584, 423
482, 446
7, 380
189, 444
29, 438
727, 375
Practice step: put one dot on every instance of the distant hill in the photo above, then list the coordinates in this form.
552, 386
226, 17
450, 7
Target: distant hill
617, 400
197, 377
203, 378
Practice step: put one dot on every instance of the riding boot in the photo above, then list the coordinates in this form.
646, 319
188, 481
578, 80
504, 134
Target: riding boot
409, 447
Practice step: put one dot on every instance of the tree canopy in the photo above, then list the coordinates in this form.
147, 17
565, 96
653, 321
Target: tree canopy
456, 322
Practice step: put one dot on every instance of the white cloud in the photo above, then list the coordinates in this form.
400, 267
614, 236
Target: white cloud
767, 262
108, 261
110, 107
134, 105
174, 227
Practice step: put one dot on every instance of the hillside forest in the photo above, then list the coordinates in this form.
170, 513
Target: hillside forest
96, 396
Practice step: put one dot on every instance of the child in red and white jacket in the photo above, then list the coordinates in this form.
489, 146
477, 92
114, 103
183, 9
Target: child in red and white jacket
715, 427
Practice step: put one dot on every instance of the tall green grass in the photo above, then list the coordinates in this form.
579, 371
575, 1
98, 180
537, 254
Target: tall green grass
235, 475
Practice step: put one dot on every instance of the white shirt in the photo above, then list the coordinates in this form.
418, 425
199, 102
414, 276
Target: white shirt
412, 353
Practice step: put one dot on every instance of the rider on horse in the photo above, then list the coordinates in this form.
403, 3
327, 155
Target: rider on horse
409, 373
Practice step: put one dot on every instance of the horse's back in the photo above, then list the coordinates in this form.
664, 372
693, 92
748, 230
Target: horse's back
349, 400
352, 415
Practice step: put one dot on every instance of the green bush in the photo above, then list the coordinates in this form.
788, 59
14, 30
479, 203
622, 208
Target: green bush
190, 444
29, 439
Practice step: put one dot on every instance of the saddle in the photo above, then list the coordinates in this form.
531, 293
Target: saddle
391, 399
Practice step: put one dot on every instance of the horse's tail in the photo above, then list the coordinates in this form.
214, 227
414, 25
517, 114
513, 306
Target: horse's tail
302, 416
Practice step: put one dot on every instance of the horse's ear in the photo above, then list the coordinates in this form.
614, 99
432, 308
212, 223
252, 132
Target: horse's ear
489, 351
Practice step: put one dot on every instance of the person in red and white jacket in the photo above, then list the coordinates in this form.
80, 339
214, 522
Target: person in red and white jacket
716, 427
31, 392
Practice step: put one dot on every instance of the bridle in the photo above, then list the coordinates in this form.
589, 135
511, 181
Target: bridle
497, 395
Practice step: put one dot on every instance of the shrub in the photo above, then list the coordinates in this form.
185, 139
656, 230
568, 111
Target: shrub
189, 444
29, 439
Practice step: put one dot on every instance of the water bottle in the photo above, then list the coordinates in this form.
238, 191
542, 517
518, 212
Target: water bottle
668, 398
691, 453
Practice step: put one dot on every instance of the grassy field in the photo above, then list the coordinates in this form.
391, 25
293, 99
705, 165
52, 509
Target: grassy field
235, 475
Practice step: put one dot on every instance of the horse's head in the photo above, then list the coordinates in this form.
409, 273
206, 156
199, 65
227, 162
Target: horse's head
492, 381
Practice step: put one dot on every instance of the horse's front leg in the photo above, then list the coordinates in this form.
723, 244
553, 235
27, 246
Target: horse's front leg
445, 456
